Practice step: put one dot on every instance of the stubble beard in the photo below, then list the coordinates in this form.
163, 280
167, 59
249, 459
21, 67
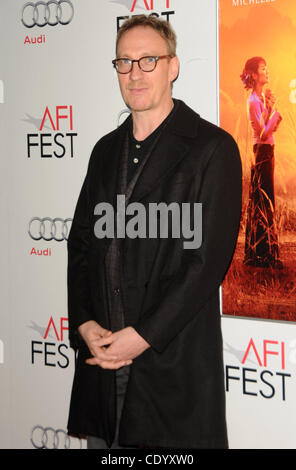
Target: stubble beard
138, 107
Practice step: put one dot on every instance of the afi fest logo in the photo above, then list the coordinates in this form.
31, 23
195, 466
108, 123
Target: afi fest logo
262, 380
146, 7
55, 144
146, 3
141, 4
52, 350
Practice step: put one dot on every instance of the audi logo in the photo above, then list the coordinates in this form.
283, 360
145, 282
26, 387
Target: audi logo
49, 13
50, 438
49, 229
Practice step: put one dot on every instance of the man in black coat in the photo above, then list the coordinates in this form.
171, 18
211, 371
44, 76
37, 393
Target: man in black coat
144, 309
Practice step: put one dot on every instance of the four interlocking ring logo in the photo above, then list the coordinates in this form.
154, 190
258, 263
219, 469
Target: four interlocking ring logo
49, 438
49, 229
43, 13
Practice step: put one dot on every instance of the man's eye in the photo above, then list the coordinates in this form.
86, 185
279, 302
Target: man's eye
125, 61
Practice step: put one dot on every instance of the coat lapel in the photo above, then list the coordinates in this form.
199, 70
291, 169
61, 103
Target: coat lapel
111, 163
168, 152
173, 145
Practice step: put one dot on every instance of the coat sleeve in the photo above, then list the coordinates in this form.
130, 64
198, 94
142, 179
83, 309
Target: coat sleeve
79, 300
203, 269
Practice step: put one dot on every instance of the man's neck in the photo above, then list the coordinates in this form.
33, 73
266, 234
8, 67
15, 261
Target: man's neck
145, 122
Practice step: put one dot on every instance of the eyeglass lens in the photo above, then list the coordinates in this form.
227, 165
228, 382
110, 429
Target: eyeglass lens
147, 64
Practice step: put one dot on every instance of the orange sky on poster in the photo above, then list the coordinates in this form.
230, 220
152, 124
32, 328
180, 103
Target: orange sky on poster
230, 13
268, 30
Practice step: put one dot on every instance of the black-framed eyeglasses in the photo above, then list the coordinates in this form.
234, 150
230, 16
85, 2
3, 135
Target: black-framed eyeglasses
146, 64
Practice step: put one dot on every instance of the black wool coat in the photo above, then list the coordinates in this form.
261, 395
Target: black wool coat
175, 395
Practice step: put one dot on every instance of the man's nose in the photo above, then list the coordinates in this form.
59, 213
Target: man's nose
136, 72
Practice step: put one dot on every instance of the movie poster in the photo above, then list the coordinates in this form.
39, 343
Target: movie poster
257, 85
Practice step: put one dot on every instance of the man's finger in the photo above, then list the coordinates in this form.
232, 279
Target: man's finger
100, 353
105, 333
107, 364
104, 341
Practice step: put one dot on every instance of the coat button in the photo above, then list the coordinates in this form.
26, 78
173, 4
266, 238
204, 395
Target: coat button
116, 291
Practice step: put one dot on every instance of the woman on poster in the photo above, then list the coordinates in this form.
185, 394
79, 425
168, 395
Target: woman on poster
261, 243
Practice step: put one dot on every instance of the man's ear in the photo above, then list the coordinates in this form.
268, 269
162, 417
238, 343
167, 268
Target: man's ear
174, 68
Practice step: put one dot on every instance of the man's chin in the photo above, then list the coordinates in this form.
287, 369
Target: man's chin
138, 106
139, 109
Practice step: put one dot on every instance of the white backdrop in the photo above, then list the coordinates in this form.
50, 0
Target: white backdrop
64, 73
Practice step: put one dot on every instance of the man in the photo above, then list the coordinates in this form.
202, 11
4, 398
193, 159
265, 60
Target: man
144, 312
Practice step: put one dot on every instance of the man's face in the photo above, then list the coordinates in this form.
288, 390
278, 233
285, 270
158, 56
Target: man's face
140, 90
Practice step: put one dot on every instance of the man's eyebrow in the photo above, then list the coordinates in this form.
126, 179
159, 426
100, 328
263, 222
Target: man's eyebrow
144, 54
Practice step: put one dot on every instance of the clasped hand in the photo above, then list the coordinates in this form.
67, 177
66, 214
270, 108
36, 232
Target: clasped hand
111, 350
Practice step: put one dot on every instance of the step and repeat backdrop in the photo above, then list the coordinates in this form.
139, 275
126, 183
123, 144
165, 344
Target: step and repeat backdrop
58, 95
